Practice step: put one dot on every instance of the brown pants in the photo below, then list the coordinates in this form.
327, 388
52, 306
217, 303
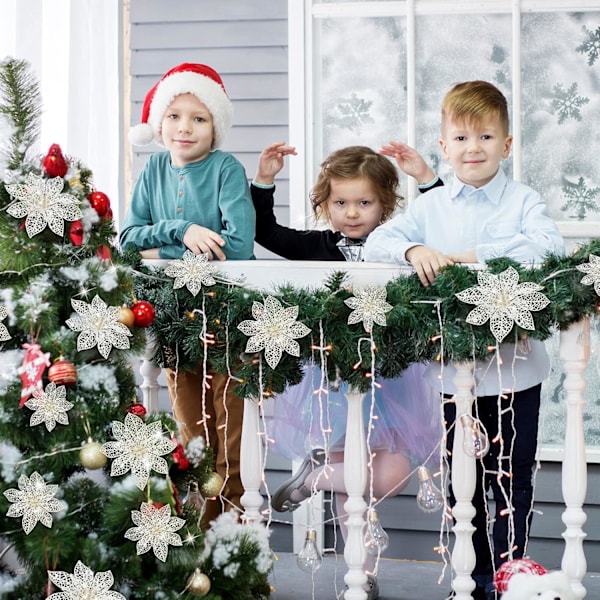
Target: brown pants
220, 417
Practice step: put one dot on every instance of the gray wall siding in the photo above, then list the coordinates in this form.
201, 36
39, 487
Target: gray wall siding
246, 42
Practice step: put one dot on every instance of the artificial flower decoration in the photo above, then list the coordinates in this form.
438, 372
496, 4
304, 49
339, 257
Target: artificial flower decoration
4, 335
139, 448
592, 270
504, 301
43, 204
274, 330
34, 501
83, 583
191, 271
369, 306
155, 530
99, 325
49, 407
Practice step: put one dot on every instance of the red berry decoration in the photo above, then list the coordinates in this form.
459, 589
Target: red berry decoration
143, 313
54, 162
99, 202
63, 372
137, 409
76, 233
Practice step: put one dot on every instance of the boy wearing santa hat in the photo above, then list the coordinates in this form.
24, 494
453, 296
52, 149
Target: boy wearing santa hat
194, 197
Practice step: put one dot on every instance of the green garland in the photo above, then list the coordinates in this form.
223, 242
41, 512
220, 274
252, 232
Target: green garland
412, 334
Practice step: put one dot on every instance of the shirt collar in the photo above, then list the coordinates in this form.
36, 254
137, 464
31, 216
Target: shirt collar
493, 189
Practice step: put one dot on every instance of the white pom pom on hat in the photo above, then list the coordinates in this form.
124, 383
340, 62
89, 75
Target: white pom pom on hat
187, 78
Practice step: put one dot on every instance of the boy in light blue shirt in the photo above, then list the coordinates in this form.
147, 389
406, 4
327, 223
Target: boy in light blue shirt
482, 215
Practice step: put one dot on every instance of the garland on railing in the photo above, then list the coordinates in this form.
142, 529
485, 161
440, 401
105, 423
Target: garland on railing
195, 316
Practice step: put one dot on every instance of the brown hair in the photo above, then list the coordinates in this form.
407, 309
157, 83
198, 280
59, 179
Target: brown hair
354, 162
474, 101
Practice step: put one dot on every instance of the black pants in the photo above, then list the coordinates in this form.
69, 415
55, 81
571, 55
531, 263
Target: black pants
519, 430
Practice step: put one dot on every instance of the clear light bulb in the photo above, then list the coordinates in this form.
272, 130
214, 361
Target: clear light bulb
475, 439
309, 559
193, 502
429, 498
376, 539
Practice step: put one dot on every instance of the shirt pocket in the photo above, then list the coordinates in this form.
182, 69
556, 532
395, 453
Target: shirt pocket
502, 229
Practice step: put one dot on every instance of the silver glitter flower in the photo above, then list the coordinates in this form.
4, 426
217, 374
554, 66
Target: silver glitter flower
49, 407
4, 335
41, 200
34, 501
274, 330
593, 272
504, 301
369, 306
191, 271
139, 448
155, 529
83, 583
99, 326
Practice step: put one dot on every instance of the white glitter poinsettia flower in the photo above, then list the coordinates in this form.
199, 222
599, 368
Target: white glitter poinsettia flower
34, 501
155, 530
369, 306
191, 271
593, 272
504, 301
83, 584
49, 406
4, 335
99, 326
139, 448
41, 200
274, 330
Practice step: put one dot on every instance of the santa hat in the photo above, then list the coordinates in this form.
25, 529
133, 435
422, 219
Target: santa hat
187, 78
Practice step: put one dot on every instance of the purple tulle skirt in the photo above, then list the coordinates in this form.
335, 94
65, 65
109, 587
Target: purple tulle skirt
403, 415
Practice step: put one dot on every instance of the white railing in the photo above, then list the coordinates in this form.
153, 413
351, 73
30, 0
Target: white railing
574, 354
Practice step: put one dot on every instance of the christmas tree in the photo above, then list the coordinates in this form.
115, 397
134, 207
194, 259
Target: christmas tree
91, 486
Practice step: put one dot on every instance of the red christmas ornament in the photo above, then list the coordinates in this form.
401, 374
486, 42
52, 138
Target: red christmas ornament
143, 313
54, 162
179, 457
63, 372
510, 567
99, 202
104, 253
32, 370
76, 233
137, 409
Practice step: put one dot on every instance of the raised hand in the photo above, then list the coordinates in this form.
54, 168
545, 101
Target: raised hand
409, 161
270, 161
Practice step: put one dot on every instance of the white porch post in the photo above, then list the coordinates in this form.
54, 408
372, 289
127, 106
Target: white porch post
251, 459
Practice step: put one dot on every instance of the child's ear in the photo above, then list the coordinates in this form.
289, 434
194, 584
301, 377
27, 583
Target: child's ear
507, 146
442, 144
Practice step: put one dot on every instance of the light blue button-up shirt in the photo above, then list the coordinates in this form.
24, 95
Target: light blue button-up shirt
502, 218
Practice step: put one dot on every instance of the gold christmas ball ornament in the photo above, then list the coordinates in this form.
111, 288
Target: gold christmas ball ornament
198, 584
212, 486
126, 316
91, 456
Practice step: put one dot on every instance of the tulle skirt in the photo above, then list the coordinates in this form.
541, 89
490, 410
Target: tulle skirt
403, 416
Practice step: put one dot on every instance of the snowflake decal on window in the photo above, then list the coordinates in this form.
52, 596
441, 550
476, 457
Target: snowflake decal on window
43, 203
351, 113
139, 448
274, 330
49, 407
580, 198
592, 270
567, 103
591, 46
504, 301
34, 501
155, 530
191, 271
369, 306
83, 583
99, 326
4, 335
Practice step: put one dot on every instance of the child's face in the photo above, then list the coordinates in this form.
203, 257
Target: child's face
187, 130
475, 149
353, 208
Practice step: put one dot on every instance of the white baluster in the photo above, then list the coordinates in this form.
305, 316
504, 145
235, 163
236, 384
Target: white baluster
463, 486
574, 353
355, 480
149, 373
251, 460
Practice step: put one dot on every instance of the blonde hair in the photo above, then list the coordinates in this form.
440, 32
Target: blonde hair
473, 102
354, 162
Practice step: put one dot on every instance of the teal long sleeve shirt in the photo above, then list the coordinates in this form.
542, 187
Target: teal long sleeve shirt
166, 200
